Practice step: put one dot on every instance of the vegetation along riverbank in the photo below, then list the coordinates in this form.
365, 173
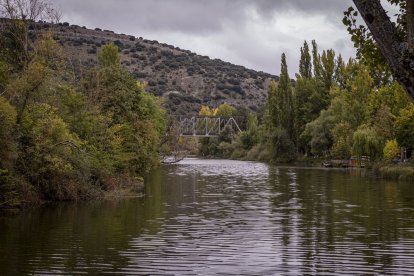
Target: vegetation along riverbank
77, 122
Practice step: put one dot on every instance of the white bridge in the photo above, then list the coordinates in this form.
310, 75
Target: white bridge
205, 126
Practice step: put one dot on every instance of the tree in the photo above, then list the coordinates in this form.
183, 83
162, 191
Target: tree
8, 141
391, 150
395, 41
281, 116
367, 142
327, 70
305, 63
312, 92
48, 157
136, 118
281, 102
404, 127
342, 140
206, 111
4, 76
15, 43
225, 110
45, 62
316, 59
332, 130
318, 133
109, 57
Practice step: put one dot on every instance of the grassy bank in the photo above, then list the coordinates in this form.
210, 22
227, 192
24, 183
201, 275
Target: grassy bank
403, 172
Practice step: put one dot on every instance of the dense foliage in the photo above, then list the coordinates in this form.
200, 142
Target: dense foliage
62, 139
334, 110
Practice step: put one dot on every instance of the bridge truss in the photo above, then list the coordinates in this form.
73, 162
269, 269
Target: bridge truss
205, 126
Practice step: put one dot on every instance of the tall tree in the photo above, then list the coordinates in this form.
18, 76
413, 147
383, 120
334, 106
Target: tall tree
284, 97
316, 59
328, 69
281, 121
305, 63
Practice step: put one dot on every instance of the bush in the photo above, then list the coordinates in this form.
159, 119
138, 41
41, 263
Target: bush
49, 156
92, 51
391, 150
7, 134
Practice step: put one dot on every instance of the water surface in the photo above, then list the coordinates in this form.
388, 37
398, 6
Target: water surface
218, 217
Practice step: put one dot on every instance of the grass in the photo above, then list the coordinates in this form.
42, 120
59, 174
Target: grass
403, 172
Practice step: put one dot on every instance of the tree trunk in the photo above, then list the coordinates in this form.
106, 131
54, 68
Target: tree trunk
395, 51
410, 24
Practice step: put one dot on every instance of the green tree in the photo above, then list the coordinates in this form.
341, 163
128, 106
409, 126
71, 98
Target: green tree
319, 135
281, 116
15, 44
4, 76
109, 57
225, 110
316, 60
391, 150
305, 63
393, 96
367, 142
404, 127
327, 71
8, 143
136, 118
342, 135
384, 44
34, 81
281, 102
49, 153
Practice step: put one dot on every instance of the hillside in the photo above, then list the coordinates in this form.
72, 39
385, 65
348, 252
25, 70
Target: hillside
186, 80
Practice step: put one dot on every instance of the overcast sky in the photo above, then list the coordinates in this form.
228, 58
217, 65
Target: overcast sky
252, 33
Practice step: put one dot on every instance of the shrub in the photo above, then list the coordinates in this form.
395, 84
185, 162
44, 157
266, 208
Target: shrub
391, 150
7, 136
49, 156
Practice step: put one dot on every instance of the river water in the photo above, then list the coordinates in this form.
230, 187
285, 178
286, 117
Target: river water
218, 217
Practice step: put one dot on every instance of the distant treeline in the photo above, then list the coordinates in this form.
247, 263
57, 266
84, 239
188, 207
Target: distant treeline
335, 110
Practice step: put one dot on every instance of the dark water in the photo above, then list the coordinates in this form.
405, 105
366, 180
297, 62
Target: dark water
223, 218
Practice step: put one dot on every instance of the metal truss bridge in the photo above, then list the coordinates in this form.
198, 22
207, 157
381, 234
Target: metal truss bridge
205, 126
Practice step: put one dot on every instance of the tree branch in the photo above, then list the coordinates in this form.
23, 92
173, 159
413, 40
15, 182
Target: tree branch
394, 50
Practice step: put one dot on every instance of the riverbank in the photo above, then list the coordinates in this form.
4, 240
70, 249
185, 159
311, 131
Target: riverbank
388, 171
25, 196
403, 172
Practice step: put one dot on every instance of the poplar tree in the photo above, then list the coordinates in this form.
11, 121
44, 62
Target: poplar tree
281, 116
305, 63
316, 59
284, 100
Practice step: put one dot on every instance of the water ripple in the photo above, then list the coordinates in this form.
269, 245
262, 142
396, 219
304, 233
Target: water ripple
216, 217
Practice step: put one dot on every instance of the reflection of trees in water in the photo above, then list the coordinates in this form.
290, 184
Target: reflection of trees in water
326, 216
320, 221
77, 237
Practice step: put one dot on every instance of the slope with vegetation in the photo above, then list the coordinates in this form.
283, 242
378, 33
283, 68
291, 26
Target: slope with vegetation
65, 138
184, 79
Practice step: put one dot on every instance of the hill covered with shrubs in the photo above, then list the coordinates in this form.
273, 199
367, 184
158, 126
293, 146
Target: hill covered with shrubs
186, 80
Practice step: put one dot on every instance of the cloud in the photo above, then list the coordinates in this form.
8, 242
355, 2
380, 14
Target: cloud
253, 33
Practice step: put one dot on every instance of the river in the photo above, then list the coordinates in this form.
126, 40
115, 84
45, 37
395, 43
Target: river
219, 217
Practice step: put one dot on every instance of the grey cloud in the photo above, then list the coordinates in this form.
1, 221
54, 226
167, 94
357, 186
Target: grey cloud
221, 28
179, 15
192, 16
